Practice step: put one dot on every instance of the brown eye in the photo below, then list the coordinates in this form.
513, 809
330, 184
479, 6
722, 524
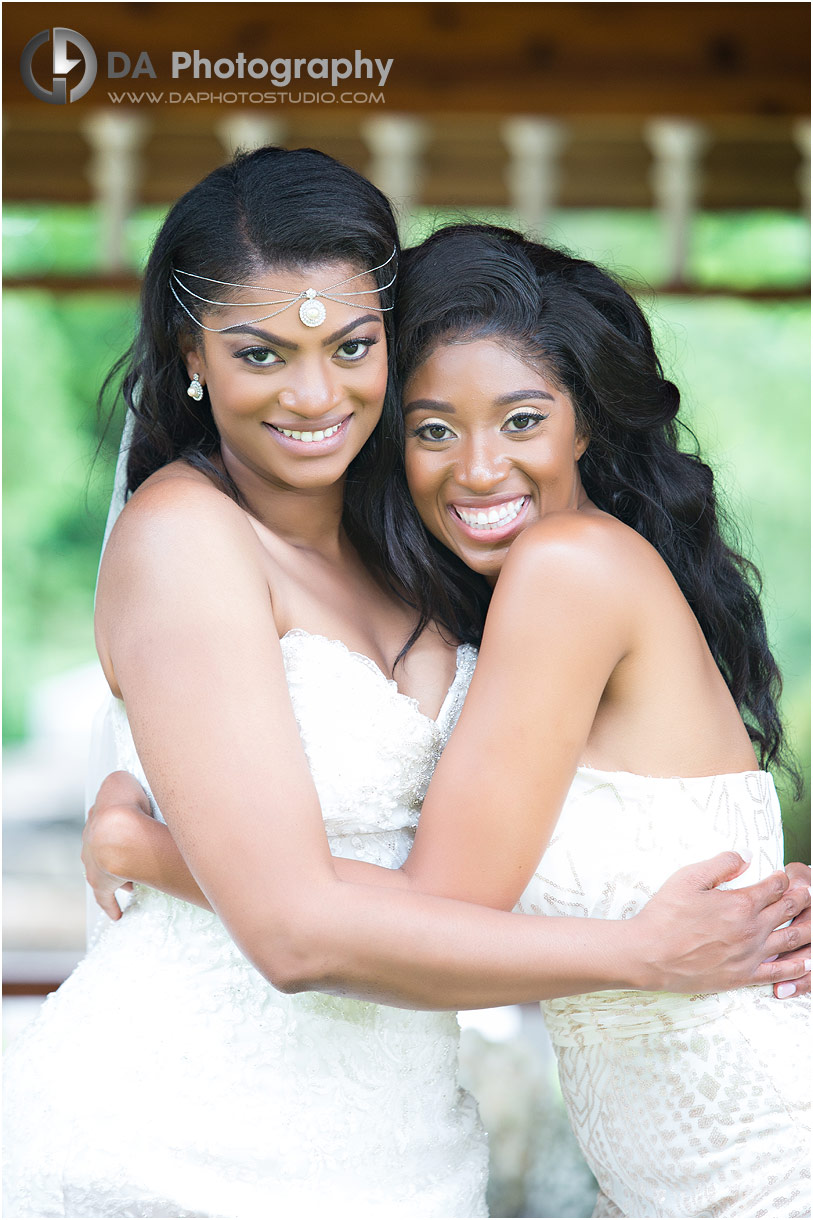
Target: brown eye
355, 349
523, 421
434, 432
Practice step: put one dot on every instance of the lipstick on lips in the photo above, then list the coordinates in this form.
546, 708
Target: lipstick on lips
490, 520
313, 441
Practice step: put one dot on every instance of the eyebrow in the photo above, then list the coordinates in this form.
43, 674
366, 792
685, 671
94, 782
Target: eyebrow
505, 400
277, 341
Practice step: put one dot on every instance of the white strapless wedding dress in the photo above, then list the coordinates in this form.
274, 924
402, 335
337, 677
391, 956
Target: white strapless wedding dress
683, 1105
166, 1077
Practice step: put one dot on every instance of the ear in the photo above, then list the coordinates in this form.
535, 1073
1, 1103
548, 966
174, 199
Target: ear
580, 448
192, 356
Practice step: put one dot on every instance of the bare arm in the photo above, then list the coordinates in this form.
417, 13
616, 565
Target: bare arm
122, 841
231, 777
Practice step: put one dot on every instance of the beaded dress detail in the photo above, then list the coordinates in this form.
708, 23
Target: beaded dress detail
683, 1105
166, 1077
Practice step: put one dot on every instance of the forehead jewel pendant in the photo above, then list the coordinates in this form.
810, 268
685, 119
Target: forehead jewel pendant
311, 311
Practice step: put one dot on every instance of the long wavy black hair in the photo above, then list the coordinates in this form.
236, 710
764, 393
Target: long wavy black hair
267, 210
470, 282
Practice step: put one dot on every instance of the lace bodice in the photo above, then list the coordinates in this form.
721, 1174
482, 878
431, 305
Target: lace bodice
370, 749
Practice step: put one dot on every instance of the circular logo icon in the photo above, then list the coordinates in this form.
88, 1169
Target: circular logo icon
62, 63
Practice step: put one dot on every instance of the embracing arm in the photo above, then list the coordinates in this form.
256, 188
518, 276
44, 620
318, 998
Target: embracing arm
201, 671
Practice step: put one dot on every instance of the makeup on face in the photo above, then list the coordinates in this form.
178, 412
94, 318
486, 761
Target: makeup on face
492, 445
294, 402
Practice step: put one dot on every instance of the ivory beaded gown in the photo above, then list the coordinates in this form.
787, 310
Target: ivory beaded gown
683, 1105
166, 1077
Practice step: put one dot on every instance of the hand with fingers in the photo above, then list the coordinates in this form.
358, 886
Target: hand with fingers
798, 933
749, 944
120, 803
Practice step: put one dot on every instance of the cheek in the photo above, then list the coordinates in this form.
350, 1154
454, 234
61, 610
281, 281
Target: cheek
424, 478
374, 384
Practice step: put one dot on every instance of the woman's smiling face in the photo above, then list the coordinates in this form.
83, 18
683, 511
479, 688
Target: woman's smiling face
294, 404
492, 445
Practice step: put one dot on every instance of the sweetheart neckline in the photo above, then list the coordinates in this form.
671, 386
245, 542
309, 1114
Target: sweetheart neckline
369, 663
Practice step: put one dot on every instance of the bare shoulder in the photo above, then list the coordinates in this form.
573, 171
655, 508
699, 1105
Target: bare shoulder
585, 559
178, 536
177, 511
182, 562
176, 494
593, 547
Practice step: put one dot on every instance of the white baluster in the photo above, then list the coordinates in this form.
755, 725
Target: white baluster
115, 174
396, 143
678, 146
249, 131
801, 138
533, 173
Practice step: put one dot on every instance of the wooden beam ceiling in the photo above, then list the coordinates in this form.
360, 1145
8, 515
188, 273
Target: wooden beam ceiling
602, 69
704, 59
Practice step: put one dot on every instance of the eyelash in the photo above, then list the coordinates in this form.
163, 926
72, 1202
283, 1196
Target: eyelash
537, 416
422, 429
246, 352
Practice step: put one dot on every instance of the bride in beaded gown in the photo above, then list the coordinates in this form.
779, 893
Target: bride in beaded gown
233, 1097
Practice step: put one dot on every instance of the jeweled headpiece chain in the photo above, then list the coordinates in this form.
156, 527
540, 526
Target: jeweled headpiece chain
311, 311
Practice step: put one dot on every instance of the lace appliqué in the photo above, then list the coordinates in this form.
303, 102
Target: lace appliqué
166, 1077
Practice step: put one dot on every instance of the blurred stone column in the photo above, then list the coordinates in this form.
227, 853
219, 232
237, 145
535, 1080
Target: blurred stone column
677, 146
801, 138
533, 172
396, 143
115, 174
249, 131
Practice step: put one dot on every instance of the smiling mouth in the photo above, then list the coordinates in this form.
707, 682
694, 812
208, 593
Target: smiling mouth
308, 437
496, 517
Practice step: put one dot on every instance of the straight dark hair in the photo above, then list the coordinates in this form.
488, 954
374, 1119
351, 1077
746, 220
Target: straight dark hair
271, 209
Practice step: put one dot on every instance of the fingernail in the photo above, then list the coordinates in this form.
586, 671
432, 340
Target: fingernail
807, 965
746, 854
784, 990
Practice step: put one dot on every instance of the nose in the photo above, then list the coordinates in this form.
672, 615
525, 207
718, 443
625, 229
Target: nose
481, 465
312, 389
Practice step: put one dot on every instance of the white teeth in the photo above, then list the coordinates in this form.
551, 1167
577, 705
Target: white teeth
308, 437
497, 515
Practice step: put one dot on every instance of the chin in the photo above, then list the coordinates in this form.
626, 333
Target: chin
488, 565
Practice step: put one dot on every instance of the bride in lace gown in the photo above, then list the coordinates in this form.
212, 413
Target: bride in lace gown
684, 1105
175, 1073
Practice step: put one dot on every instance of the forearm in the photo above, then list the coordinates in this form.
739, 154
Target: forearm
407, 949
341, 934
417, 951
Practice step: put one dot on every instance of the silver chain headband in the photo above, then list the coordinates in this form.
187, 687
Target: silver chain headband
311, 311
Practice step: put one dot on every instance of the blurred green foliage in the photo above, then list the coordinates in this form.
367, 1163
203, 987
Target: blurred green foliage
756, 249
742, 367
56, 352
